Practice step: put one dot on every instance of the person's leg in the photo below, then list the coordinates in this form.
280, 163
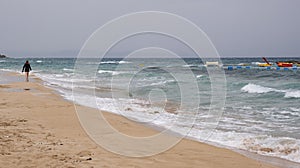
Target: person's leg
27, 74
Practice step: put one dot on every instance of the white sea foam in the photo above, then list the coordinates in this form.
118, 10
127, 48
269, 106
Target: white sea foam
295, 109
161, 83
124, 62
256, 63
8, 70
199, 76
67, 69
65, 81
104, 71
110, 72
253, 88
39, 61
190, 65
282, 147
138, 110
109, 62
155, 84
292, 94
11, 70
59, 75
115, 62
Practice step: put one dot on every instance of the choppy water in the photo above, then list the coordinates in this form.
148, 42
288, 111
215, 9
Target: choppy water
261, 115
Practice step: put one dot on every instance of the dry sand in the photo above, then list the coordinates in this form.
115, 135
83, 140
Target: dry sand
38, 128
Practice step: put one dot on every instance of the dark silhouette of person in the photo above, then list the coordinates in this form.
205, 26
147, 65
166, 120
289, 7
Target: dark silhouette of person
27, 69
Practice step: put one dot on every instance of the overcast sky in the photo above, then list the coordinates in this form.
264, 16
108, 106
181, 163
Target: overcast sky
44, 28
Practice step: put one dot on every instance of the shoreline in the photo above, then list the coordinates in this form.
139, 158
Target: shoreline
186, 152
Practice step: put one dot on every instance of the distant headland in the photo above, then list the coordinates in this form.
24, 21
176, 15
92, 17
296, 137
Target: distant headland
3, 56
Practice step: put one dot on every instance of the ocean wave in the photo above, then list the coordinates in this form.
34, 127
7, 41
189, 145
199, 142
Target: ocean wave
295, 109
189, 65
135, 109
199, 76
63, 78
115, 62
253, 88
36, 71
110, 72
153, 67
283, 147
11, 70
39, 61
162, 82
67, 69
292, 94
8, 70
60, 86
124, 62
109, 62
256, 63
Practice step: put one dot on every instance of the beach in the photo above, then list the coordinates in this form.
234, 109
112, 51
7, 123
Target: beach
184, 84
40, 129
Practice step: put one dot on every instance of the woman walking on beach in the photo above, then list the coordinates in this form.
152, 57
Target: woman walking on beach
27, 68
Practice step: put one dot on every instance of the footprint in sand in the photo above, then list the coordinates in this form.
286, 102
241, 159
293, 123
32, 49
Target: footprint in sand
85, 155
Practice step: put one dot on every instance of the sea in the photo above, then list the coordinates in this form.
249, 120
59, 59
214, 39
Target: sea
261, 113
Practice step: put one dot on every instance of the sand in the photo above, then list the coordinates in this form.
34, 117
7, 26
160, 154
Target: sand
38, 128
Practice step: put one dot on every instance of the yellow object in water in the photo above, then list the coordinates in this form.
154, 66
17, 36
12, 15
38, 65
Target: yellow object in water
211, 63
264, 64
